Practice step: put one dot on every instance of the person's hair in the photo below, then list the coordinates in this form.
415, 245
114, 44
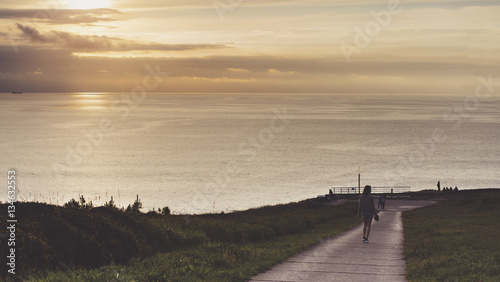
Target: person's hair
367, 190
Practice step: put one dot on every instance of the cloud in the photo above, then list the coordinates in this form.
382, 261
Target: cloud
233, 4
278, 72
237, 70
92, 43
36, 69
62, 16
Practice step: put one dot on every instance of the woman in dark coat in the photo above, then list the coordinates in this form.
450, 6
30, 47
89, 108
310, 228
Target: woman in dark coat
366, 208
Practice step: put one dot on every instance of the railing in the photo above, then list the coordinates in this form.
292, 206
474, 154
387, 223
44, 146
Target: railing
375, 190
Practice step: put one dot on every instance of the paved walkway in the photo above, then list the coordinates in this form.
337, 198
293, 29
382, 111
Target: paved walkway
346, 258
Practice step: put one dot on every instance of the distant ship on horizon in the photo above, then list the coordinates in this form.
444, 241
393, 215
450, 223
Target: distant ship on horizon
17, 92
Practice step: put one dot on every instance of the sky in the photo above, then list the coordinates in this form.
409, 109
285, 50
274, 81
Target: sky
248, 46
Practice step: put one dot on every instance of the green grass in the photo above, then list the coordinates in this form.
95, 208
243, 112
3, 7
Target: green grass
102, 244
210, 262
455, 240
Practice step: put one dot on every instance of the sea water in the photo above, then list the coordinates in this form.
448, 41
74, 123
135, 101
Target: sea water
198, 153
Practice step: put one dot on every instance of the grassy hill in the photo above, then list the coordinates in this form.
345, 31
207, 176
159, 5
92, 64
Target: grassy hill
456, 239
64, 243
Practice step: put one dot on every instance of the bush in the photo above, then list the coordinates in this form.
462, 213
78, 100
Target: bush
165, 211
82, 204
111, 204
136, 207
72, 204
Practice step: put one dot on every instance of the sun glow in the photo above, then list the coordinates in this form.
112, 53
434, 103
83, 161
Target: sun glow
88, 4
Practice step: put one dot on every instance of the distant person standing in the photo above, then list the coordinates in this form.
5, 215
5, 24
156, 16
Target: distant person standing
381, 202
366, 208
384, 198
439, 186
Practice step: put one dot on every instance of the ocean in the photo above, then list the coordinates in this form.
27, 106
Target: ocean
200, 153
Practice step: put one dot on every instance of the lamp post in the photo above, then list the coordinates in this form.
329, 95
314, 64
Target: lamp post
359, 179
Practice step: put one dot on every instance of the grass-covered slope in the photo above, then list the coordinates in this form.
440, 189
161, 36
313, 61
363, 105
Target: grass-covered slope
99, 244
455, 240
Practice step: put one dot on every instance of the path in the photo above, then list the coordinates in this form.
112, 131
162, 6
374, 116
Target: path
346, 258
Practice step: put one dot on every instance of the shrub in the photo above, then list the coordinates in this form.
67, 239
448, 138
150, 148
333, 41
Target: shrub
110, 204
136, 206
82, 204
165, 211
72, 204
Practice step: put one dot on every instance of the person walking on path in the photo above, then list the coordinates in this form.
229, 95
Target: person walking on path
439, 186
366, 208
